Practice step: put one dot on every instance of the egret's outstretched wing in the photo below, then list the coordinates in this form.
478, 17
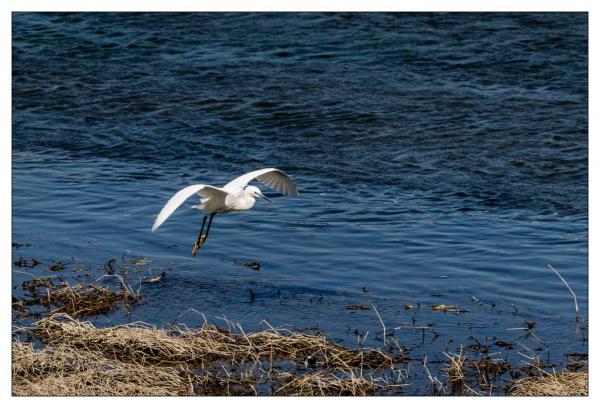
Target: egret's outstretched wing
276, 179
182, 195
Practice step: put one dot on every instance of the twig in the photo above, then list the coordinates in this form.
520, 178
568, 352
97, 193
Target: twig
534, 335
191, 309
413, 327
431, 378
570, 290
427, 370
26, 273
381, 321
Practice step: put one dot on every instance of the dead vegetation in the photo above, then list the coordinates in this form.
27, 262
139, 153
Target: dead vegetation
444, 308
96, 290
327, 383
463, 371
551, 384
86, 299
358, 306
479, 372
456, 377
73, 357
65, 370
134, 359
82, 299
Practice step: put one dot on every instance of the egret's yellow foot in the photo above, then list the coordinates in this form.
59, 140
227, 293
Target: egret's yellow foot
198, 244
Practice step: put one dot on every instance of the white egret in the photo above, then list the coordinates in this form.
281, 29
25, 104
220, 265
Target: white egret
236, 195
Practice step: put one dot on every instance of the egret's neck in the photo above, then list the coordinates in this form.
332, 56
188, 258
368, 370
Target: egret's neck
248, 201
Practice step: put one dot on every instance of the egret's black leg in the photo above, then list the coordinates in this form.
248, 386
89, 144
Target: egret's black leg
208, 228
199, 241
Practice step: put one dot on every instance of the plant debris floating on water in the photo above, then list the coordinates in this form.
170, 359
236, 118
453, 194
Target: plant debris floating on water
58, 266
34, 286
18, 245
444, 308
44, 295
23, 263
358, 306
109, 267
86, 299
252, 265
154, 279
82, 299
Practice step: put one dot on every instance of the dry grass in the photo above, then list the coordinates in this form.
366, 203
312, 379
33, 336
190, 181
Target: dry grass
148, 344
456, 377
326, 383
138, 359
563, 384
458, 373
69, 371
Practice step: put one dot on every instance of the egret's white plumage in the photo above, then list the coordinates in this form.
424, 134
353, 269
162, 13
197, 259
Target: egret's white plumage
234, 196
276, 179
210, 193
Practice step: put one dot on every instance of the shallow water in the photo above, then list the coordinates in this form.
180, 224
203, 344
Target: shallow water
439, 157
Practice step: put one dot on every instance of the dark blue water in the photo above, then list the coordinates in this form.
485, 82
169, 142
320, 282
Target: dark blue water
439, 157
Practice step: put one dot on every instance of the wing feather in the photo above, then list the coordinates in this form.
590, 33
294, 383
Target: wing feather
279, 185
203, 190
273, 182
273, 178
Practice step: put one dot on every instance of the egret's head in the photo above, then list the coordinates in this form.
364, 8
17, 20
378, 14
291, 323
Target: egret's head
254, 192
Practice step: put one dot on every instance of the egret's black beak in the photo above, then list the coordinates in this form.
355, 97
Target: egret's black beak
262, 196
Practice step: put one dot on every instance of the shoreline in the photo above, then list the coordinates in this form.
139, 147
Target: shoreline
59, 351
70, 357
